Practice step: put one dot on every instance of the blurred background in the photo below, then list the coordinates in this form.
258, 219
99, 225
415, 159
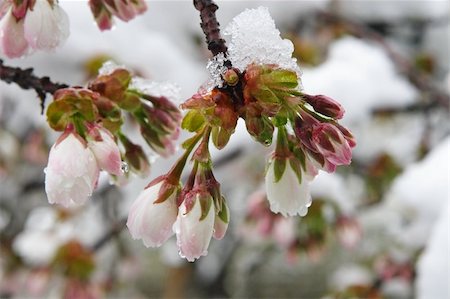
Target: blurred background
376, 229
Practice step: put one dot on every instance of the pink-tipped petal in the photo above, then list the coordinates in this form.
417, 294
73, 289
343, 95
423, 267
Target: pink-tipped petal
12, 41
72, 172
46, 27
107, 153
152, 222
193, 234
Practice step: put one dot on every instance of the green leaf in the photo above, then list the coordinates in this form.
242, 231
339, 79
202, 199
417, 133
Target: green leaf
193, 121
220, 137
279, 166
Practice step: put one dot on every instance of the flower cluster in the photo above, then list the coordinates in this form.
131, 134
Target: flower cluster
91, 121
195, 212
267, 96
104, 10
30, 25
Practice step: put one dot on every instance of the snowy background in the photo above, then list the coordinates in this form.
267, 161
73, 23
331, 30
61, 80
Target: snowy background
396, 192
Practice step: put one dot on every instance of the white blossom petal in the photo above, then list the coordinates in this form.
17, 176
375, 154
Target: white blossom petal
12, 41
72, 172
287, 196
193, 234
152, 222
46, 27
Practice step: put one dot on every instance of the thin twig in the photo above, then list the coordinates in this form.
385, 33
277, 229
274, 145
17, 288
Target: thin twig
27, 80
210, 26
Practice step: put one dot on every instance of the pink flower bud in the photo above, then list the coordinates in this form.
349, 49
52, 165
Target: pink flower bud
195, 227
325, 105
221, 222
331, 143
105, 150
46, 25
72, 171
289, 195
284, 231
12, 41
151, 220
348, 231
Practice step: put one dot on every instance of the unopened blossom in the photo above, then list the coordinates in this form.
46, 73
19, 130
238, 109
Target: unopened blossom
151, 219
331, 143
221, 222
105, 150
195, 225
348, 231
289, 195
32, 25
72, 171
46, 25
325, 105
104, 10
12, 41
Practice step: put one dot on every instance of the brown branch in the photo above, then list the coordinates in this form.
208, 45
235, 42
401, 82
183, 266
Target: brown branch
419, 80
27, 80
210, 26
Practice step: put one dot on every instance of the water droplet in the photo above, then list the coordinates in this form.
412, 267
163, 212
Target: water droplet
124, 167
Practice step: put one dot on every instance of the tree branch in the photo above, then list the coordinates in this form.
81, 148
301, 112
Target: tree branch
210, 26
27, 80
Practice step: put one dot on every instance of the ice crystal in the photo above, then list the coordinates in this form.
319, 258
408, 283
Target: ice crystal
255, 39
216, 69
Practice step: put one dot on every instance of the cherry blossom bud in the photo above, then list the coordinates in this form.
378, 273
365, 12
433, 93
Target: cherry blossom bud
348, 231
105, 149
325, 105
221, 221
46, 25
12, 41
288, 195
331, 143
103, 10
195, 225
72, 171
153, 214
128, 9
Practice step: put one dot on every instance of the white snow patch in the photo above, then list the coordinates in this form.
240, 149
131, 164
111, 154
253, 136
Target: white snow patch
255, 39
349, 275
418, 196
399, 137
433, 267
361, 77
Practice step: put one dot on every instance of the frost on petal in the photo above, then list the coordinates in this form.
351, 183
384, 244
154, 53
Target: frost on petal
107, 153
194, 235
287, 196
71, 174
149, 221
46, 27
255, 39
12, 41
